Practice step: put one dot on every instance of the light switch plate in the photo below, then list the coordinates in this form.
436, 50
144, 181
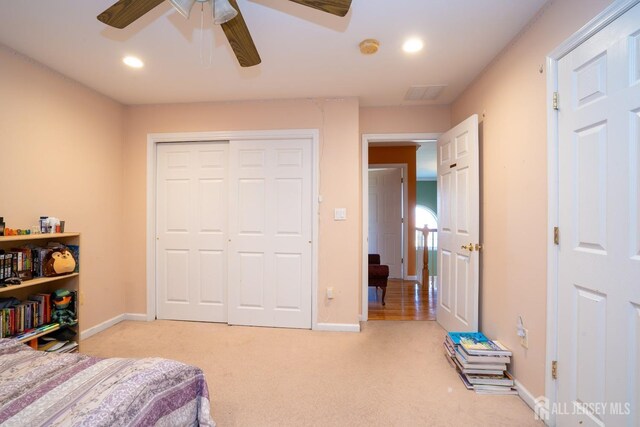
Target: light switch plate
340, 214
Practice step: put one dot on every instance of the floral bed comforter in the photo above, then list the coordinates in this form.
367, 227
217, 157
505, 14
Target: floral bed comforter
72, 389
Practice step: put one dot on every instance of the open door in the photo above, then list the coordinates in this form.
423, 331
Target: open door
459, 227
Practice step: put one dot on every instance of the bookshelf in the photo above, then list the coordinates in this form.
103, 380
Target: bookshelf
70, 281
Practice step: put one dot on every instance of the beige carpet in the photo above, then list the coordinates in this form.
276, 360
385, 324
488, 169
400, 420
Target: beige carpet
390, 374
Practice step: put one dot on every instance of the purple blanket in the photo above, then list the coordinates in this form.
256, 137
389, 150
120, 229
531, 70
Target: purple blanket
72, 389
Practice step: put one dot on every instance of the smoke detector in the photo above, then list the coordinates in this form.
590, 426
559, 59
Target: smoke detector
369, 46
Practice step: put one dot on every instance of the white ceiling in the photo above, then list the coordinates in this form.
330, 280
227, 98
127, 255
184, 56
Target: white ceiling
305, 53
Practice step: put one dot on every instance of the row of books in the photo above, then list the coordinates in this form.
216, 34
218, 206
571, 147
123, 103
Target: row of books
25, 315
27, 262
480, 362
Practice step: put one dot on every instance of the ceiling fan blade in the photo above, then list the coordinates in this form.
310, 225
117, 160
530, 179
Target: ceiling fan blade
334, 7
124, 12
240, 40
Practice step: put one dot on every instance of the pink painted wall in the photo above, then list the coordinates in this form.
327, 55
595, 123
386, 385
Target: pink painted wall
411, 119
339, 241
61, 148
511, 94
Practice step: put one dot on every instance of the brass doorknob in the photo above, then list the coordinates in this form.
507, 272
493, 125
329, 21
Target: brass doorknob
468, 247
478, 246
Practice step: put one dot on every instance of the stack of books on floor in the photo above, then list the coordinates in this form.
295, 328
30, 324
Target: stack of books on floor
480, 362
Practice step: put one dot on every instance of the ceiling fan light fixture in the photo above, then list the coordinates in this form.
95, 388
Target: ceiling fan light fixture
223, 12
183, 6
369, 46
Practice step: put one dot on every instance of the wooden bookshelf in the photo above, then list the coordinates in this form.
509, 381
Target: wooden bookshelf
33, 340
37, 281
69, 281
46, 236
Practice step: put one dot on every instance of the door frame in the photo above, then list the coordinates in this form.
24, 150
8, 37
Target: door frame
608, 15
367, 138
153, 139
404, 168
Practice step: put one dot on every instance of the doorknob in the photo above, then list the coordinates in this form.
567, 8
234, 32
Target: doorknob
468, 247
478, 247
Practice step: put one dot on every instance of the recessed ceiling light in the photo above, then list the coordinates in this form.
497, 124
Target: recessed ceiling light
133, 62
413, 45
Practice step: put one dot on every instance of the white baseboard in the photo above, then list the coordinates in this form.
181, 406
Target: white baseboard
525, 395
111, 322
101, 326
140, 317
337, 327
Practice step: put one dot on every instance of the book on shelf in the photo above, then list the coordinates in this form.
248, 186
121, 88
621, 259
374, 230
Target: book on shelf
24, 319
53, 345
69, 347
27, 262
36, 331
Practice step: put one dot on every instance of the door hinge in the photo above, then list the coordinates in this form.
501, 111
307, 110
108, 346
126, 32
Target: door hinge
554, 369
401, 180
556, 236
401, 220
555, 100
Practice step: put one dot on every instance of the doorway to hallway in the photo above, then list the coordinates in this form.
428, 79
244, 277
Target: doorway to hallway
405, 300
412, 296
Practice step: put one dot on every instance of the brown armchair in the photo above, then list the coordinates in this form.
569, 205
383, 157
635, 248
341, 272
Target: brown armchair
378, 274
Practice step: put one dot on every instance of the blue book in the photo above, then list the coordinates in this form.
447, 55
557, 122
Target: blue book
455, 337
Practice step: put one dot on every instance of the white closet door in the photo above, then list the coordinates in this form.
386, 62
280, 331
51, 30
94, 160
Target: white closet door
191, 224
599, 218
270, 233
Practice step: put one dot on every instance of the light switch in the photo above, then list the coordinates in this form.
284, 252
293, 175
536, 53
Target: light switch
340, 214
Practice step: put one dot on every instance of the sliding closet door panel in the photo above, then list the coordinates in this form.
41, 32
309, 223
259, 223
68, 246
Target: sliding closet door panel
191, 231
270, 233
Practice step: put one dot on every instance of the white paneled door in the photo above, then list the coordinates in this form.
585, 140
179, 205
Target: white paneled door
459, 227
191, 226
599, 216
385, 218
270, 233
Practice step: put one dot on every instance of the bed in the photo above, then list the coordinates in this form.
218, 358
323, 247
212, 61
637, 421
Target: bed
72, 389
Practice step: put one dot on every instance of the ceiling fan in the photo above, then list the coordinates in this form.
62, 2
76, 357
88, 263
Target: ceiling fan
225, 13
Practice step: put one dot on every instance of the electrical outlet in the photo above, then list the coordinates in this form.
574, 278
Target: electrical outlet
524, 340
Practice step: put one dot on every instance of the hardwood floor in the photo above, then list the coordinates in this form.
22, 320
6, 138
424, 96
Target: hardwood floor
405, 300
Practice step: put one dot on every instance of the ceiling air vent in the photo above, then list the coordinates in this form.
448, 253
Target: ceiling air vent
424, 93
